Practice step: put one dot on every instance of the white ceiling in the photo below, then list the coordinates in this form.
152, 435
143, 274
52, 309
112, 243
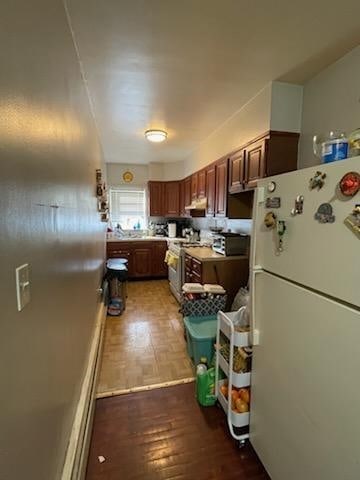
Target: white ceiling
186, 66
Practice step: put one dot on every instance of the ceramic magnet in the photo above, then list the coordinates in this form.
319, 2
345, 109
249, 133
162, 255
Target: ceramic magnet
317, 181
273, 202
324, 213
350, 184
353, 220
270, 220
299, 206
271, 187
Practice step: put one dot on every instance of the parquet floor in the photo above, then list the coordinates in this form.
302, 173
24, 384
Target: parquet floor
163, 434
145, 345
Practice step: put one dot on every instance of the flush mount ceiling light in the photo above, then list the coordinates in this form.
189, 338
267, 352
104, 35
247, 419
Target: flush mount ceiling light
155, 136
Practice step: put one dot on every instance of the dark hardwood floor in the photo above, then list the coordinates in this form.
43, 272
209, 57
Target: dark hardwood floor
163, 434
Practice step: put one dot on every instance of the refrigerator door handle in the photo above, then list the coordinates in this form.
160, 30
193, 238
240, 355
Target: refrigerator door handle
255, 334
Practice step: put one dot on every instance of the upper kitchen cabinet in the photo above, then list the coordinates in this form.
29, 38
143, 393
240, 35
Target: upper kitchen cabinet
210, 190
221, 190
187, 191
194, 186
271, 154
201, 184
156, 199
255, 162
172, 199
236, 171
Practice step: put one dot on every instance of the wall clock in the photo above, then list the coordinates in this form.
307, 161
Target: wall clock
128, 177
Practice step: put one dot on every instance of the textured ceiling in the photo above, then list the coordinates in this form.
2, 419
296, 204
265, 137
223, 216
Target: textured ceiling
186, 66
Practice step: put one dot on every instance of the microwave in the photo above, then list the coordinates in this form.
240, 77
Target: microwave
231, 244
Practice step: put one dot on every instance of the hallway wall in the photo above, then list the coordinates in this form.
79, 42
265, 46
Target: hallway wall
48, 155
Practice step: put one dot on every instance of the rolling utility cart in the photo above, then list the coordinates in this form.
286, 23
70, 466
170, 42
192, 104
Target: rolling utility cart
226, 329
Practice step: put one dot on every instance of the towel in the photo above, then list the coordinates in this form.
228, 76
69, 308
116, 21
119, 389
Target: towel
171, 259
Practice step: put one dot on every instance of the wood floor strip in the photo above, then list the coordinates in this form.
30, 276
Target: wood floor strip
144, 388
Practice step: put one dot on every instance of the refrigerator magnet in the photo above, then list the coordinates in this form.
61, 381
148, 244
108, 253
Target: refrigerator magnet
273, 202
281, 229
299, 206
350, 184
353, 220
270, 220
271, 187
324, 214
317, 181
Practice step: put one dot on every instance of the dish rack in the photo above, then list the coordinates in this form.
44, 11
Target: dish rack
225, 325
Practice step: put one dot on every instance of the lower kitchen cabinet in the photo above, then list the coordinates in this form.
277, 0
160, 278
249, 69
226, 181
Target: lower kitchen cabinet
145, 258
141, 259
229, 272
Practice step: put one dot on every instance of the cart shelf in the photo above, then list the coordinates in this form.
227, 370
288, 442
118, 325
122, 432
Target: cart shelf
238, 379
237, 419
241, 339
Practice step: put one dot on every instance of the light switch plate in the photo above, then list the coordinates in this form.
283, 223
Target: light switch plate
22, 286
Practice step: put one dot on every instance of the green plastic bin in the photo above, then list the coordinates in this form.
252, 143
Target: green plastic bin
200, 337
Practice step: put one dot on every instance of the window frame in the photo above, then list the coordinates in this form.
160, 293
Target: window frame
125, 188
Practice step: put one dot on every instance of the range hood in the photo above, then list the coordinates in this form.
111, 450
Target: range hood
198, 204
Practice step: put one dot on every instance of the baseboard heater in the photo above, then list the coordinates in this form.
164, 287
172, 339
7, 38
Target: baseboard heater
79, 442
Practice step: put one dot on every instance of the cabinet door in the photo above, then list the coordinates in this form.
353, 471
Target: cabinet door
159, 267
194, 186
255, 164
201, 187
172, 199
187, 191
221, 188
156, 199
182, 210
142, 262
236, 172
210, 190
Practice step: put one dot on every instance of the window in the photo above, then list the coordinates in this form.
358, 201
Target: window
127, 207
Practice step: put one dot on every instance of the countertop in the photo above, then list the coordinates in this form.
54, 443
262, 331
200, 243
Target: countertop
141, 239
206, 254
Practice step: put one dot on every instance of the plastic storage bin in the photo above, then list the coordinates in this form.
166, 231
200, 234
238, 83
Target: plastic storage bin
200, 337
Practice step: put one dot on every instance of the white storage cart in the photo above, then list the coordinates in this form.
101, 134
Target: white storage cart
225, 325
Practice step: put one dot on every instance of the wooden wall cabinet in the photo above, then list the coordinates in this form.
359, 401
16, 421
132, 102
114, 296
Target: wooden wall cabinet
201, 187
172, 199
224, 180
187, 191
210, 190
156, 199
221, 189
255, 162
236, 172
194, 186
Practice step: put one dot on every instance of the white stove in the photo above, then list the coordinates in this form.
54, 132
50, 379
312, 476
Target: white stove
177, 276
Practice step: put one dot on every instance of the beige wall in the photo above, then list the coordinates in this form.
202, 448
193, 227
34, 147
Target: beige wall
144, 173
48, 156
331, 102
115, 173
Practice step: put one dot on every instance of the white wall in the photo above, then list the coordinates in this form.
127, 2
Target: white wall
144, 173
331, 102
250, 121
115, 173
286, 107
276, 107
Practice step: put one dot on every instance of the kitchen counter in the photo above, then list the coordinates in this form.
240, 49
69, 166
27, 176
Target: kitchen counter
142, 239
207, 254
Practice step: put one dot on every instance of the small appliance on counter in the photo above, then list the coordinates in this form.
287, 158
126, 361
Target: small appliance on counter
172, 228
161, 229
228, 243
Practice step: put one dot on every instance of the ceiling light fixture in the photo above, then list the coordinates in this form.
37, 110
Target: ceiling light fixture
155, 136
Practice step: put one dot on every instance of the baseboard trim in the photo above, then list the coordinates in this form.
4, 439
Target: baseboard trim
78, 447
114, 393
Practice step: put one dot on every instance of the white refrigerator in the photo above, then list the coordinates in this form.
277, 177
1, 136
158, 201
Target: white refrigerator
305, 299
